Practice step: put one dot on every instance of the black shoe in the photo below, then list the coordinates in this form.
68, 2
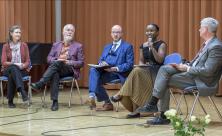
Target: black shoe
158, 121
35, 87
133, 115
114, 99
148, 109
55, 106
11, 104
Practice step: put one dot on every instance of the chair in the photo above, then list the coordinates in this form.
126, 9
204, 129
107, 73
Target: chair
24, 79
193, 90
68, 79
176, 58
115, 81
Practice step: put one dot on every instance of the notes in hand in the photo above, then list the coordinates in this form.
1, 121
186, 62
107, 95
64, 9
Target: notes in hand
99, 66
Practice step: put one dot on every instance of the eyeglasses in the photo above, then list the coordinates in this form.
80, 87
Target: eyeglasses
116, 32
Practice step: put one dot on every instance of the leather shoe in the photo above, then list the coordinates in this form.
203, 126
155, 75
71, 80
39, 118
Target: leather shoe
11, 104
55, 106
148, 109
115, 98
91, 102
218, 95
106, 107
158, 121
133, 115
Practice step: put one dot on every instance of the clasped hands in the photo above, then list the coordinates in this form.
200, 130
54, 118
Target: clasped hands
112, 69
20, 65
63, 58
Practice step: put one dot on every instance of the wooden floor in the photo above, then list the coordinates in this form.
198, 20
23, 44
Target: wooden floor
80, 121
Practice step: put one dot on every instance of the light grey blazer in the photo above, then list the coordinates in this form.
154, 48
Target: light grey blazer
208, 69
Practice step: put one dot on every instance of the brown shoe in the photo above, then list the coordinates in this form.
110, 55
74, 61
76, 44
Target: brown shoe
218, 95
106, 107
91, 102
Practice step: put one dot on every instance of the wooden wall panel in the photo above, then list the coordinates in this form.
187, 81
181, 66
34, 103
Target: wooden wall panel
36, 18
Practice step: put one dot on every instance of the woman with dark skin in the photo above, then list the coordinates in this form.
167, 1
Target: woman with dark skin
138, 86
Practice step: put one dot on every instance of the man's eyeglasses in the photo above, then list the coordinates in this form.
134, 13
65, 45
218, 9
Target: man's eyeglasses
116, 32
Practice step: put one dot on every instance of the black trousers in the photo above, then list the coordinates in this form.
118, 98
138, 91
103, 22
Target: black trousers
15, 82
55, 71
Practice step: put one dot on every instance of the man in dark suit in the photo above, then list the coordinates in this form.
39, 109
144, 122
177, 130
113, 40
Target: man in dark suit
119, 56
65, 59
204, 72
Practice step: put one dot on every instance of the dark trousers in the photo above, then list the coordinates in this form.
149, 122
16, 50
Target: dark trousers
55, 71
15, 82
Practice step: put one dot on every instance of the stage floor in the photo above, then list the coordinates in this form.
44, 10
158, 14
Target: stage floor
80, 121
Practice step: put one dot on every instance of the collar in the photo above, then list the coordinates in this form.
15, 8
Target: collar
118, 43
207, 41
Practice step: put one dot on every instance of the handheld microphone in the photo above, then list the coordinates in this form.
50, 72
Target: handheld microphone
150, 39
150, 42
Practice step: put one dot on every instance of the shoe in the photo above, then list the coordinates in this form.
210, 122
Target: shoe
91, 102
106, 107
148, 109
11, 104
133, 115
158, 121
115, 98
55, 106
218, 95
35, 87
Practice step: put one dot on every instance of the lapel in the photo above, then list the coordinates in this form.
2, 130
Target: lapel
120, 46
205, 49
59, 49
72, 44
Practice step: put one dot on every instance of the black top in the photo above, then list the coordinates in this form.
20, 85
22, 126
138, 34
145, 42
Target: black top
148, 54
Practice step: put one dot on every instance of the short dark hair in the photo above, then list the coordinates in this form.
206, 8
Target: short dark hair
155, 25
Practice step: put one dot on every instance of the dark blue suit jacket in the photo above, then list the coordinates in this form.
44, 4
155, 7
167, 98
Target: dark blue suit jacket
123, 58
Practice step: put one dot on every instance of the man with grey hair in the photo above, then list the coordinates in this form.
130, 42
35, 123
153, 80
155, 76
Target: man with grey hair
204, 72
65, 59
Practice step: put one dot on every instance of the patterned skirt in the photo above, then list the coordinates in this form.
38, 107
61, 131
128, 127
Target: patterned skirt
137, 89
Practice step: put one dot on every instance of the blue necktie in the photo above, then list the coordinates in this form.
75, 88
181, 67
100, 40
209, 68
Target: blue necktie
113, 49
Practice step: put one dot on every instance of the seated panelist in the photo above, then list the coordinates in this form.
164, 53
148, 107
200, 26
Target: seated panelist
15, 64
65, 59
118, 56
139, 84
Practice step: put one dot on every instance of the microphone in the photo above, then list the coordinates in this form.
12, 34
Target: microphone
150, 39
150, 42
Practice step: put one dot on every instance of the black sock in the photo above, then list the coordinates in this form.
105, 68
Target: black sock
19, 89
107, 101
154, 100
10, 101
162, 115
